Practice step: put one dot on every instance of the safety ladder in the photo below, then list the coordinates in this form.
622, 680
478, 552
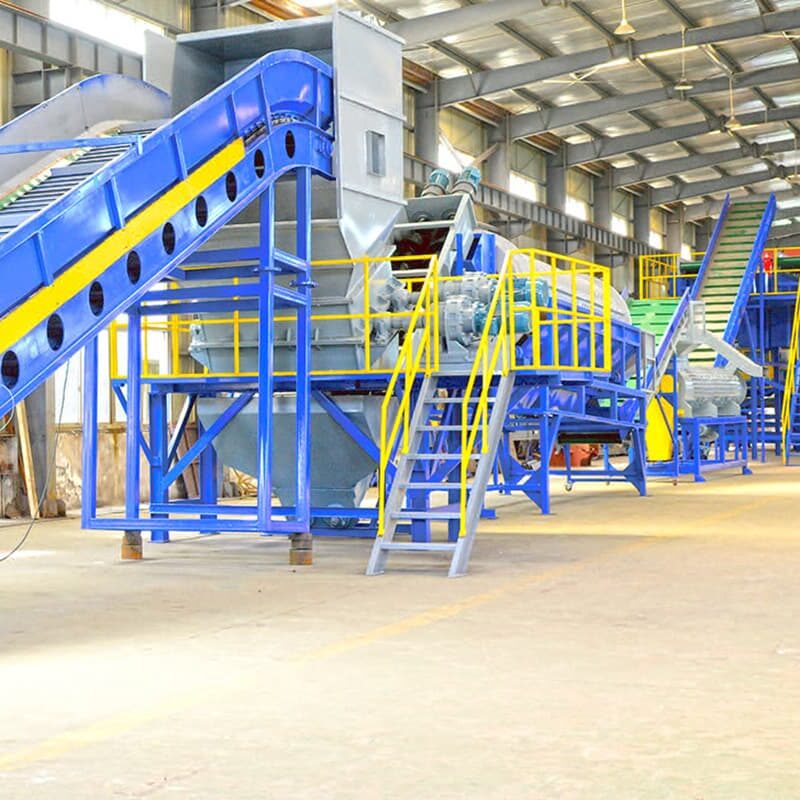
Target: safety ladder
422, 398
423, 427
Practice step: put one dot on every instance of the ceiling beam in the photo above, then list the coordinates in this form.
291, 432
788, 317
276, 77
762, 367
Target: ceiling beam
430, 27
479, 84
559, 117
619, 145
780, 232
672, 194
669, 167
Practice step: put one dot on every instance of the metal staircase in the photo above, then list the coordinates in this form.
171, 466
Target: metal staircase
725, 278
424, 426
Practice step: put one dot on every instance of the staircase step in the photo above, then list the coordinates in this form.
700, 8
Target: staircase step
440, 456
429, 485
420, 547
412, 514
435, 401
440, 428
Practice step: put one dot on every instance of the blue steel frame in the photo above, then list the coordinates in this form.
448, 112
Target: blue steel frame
301, 147
252, 107
768, 323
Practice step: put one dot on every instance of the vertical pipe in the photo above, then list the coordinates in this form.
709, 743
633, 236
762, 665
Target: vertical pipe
89, 454
266, 314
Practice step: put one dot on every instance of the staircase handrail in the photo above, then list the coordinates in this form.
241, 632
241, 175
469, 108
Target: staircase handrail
489, 351
421, 342
711, 249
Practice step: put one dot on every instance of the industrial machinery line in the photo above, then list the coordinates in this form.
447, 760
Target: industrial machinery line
326, 334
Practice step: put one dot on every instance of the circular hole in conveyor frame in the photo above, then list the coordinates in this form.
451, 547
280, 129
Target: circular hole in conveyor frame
259, 163
97, 299
168, 238
290, 144
201, 211
231, 187
9, 369
134, 267
55, 332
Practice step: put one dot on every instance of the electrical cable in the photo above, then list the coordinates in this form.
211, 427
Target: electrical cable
48, 477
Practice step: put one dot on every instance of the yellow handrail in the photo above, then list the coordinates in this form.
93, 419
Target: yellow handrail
240, 321
790, 387
485, 364
422, 340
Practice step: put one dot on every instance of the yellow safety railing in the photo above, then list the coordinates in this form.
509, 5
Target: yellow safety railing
571, 324
493, 347
790, 387
771, 277
174, 326
418, 355
658, 276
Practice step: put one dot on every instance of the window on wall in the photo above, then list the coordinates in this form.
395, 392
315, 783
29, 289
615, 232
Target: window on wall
580, 194
686, 252
577, 208
465, 135
103, 22
658, 228
620, 225
452, 159
523, 186
68, 387
621, 213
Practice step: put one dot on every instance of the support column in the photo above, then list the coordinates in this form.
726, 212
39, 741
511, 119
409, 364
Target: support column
603, 209
132, 540
266, 330
703, 235
301, 549
426, 126
89, 454
641, 218
641, 226
158, 454
675, 225
497, 168
556, 198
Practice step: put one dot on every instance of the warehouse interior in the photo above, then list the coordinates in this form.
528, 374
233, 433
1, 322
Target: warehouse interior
399, 398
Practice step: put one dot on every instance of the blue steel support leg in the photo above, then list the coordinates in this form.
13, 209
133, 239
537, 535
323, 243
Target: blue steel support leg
266, 315
132, 539
547, 437
301, 543
209, 487
158, 455
89, 454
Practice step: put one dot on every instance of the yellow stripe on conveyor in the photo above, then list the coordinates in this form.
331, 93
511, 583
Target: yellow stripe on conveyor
83, 272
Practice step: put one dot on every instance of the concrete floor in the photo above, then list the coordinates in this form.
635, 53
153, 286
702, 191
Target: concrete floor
623, 648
